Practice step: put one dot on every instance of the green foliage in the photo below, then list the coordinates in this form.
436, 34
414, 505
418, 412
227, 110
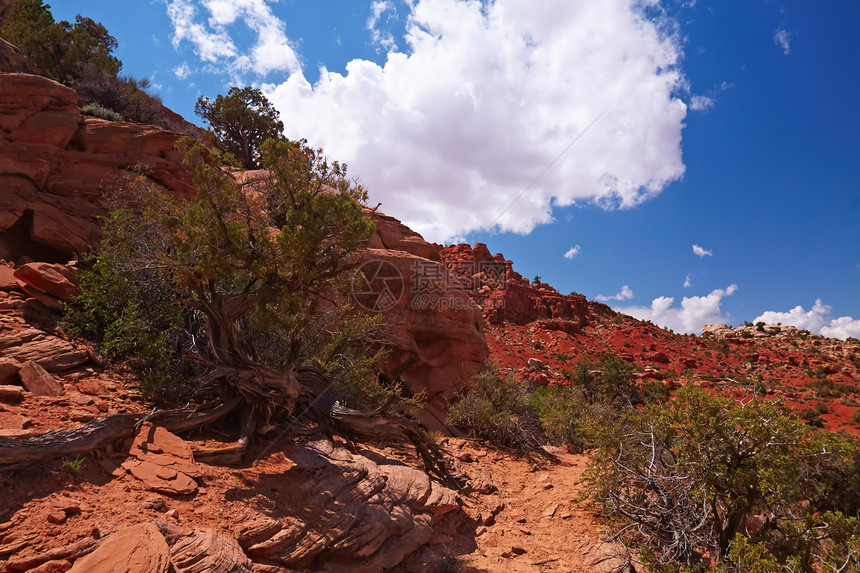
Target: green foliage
236, 272
100, 111
75, 464
684, 479
656, 392
609, 380
498, 409
131, 306
242, 120
59, 48
566, 418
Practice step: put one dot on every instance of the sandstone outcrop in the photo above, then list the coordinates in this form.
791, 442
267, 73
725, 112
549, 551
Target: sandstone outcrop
369, 513
59, 173
505, 296
136, 549
59, 170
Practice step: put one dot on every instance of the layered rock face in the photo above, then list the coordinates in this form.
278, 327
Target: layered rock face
505, 296
59, 170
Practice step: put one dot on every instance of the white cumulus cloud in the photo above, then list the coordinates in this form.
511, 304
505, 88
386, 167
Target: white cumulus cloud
572, 252
816, 320
212, 42
693, 314
782, 38
496, 112
688, 282
700, 252
625, 294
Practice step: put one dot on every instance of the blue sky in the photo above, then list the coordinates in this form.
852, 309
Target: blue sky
619, 135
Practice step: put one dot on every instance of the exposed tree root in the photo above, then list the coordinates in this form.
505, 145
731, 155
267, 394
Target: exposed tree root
19, 452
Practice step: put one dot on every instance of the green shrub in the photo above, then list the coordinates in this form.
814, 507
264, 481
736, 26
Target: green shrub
134, 310
609, 380
100, 111
498, 409
683, 479
656, 392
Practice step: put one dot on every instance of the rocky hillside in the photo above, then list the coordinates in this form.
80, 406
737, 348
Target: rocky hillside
164, 500
527, 322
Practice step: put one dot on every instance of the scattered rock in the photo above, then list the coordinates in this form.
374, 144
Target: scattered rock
38, 381
137, 549
53, 279
56, 517
162, 461
11, 393
9, 368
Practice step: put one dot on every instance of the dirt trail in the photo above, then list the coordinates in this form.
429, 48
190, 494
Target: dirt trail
538, 521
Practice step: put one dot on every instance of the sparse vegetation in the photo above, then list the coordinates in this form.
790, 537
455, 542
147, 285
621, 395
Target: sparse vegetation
81, 56
682, 481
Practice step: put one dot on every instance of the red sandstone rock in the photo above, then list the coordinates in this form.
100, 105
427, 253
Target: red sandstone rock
437, 335
53, 279
37, 380
51, 353
62, 168
7, 278
209, 551
12, 60
9, 368
12, 424
162, 461
393, 235
11, 393
136, 549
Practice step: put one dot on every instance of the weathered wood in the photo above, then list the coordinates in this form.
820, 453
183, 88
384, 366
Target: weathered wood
23, 451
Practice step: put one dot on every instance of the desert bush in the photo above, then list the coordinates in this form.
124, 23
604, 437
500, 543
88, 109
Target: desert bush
684, 480
100, 111
498, 409
566, 418
133, 310
608, 380
656, 392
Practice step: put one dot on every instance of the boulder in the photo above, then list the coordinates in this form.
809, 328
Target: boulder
393, 235
51, 353
7, 278
716, 329
437, 335
9, 368
136, 549
38, 381
53, 279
